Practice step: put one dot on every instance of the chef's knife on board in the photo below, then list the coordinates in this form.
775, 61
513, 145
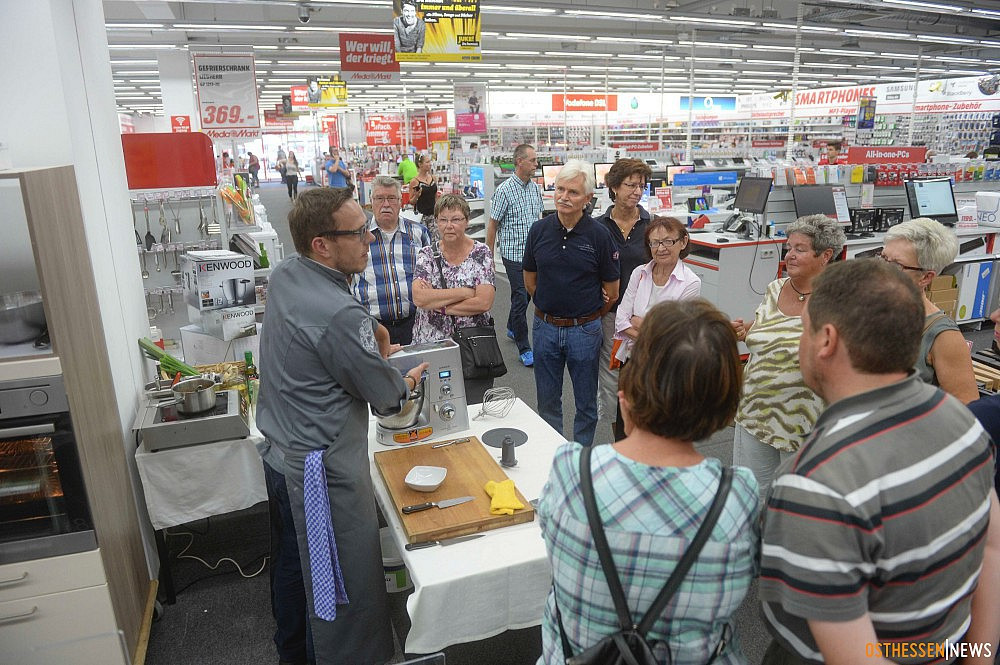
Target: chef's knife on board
444, 543
446, 503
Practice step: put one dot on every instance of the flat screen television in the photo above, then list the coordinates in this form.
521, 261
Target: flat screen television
700, 163
601, 170
829, 200
752, 194
932, 197
679, 168
549, 173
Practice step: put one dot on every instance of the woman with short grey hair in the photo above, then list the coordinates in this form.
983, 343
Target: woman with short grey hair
922, 248
778, 411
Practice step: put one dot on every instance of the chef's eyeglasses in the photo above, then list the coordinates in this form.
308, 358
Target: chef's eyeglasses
666, 242
359, 232
897, 264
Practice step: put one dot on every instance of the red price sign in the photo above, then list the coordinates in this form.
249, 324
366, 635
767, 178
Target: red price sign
222, 115
227, 91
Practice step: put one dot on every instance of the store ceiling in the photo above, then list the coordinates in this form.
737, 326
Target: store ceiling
739, 46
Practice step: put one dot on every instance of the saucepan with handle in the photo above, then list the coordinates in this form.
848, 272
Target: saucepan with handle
192, 396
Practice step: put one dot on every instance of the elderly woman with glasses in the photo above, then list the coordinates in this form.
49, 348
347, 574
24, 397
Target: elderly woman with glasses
778, 410
453, 285
922, 248
664, 278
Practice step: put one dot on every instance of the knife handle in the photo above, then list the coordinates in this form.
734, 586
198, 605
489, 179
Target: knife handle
409, 547
417, 508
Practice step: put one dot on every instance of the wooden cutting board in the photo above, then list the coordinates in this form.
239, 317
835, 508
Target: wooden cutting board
469, 466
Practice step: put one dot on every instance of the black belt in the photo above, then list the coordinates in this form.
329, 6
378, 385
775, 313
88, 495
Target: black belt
567, 322
398, 322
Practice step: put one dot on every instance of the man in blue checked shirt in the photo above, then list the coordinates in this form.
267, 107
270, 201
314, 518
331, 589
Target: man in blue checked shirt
385, 285
517, 204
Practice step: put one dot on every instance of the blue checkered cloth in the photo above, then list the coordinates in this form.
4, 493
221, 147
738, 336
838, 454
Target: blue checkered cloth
324, 564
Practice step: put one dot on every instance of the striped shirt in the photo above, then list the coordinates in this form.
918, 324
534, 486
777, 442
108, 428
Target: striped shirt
650, 515
516, 206
883, 511
384, 287
777, 407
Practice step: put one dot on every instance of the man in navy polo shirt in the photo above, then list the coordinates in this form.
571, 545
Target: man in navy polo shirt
571, 271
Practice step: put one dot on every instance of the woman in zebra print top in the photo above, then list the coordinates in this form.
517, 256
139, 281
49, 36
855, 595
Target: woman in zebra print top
778, 411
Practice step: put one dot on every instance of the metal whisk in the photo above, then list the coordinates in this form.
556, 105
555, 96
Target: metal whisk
497, 402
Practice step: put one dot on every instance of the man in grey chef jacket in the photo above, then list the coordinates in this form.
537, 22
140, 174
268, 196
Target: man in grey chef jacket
321, 364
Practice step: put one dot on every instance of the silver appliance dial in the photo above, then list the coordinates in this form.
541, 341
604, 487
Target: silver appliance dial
447, 411
446, 390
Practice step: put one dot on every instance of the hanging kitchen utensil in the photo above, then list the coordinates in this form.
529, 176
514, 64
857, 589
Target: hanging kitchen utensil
202, 220
145, 270
156, 259
165, 233
150, 238
176, 214
214, 228
135, 224
176, 272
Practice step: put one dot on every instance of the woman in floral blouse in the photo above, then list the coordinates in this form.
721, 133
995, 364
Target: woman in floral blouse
466, 296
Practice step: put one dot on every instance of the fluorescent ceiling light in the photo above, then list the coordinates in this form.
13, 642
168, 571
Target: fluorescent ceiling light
510, 52
773, 63
310, 48
713, 21
532, 35
507, 10
777, 48
232, 26
650, 57
609, 15
840, 51
878, 34
805, 28
331, 63
714, 44
947, 40
636, 40
134, 62
142, 46
132, 26
992, 13
579, 54
920, 4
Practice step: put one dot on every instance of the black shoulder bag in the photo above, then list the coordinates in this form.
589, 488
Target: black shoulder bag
481, 357
628, 645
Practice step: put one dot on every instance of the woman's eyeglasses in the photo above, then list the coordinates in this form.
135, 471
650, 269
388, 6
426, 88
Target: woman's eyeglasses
666, 242
897, 264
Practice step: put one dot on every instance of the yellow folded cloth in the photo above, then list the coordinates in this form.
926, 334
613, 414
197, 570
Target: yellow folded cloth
504, 497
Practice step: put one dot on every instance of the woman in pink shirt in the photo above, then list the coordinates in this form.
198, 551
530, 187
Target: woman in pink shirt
664, 278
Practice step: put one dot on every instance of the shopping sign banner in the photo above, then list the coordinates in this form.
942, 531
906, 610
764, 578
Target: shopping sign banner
584, 102
276, 119
227, 95
329, 125
870, 155
709, 104
300, 97
418, 131
384, 130
437, 126
470, 108
767, 143
367, 58
637, 146
437, 31
180, 124
326, 92
866, 112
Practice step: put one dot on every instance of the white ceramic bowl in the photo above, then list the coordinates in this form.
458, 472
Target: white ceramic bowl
425, 478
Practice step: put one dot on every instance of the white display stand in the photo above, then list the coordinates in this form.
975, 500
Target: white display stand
734, 272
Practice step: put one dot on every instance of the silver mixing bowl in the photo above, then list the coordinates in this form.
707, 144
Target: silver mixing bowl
22, 317
410, 413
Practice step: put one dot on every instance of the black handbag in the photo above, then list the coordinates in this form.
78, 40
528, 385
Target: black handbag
628, 645
481, 357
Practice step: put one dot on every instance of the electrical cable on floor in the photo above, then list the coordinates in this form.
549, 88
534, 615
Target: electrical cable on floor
182, 555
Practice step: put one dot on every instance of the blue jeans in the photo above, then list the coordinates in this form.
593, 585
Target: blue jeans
577, 348
519, 299
293, 637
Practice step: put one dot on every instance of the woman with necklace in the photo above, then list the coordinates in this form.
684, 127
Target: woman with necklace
778, 411
454, 288
664, 278
626, 221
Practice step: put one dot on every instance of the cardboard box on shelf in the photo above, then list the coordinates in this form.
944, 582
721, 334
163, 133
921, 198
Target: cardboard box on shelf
229, 323
200, 348
942, 295
947, 307
942, 282
214, 279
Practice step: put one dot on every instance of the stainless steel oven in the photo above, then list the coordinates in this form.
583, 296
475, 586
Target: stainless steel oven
43, 501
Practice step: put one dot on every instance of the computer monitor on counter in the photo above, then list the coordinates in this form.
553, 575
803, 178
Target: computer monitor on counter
678, 168
932, 197
549, 173
829, 200
751, 197
600, 171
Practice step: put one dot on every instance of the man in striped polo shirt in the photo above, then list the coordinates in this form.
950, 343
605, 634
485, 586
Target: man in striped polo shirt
882, 535
517, 204
385, 287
